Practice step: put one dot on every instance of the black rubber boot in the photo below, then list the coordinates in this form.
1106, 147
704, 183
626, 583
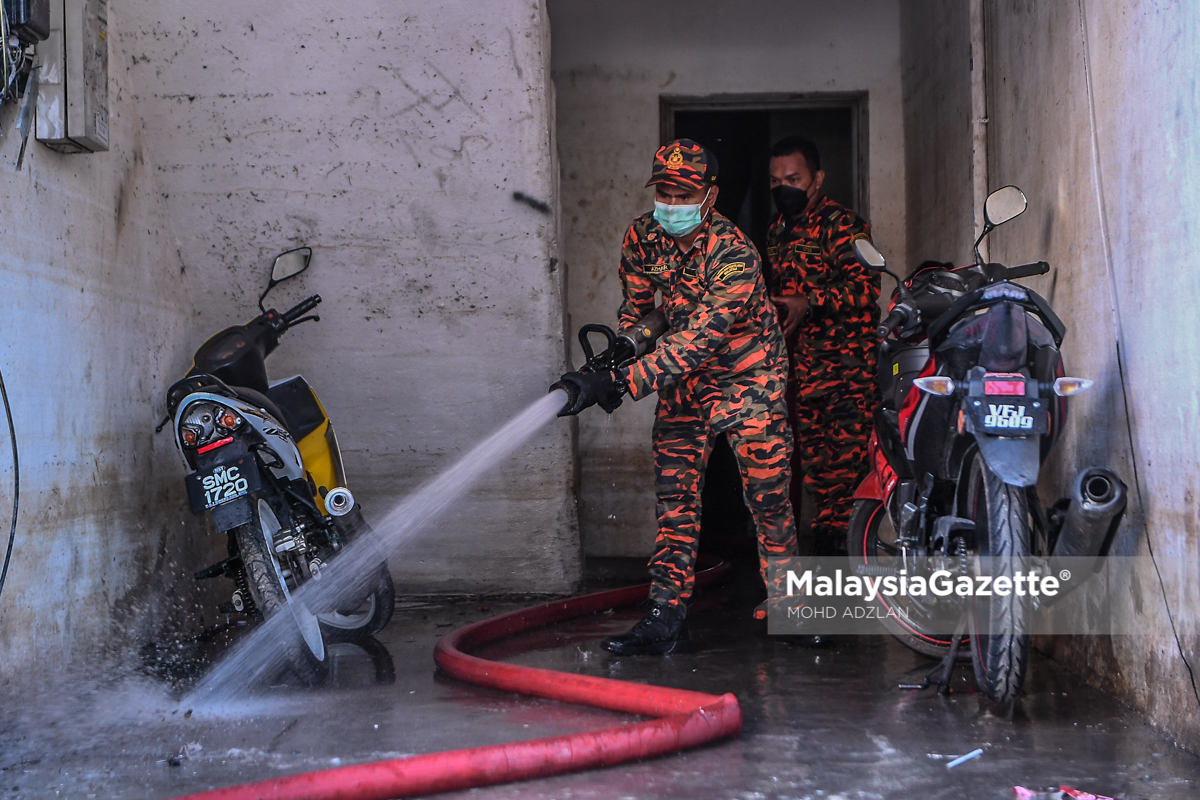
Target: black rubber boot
776, 606
661, 632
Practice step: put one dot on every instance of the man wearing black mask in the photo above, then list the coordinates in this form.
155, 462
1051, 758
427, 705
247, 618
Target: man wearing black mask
829, 306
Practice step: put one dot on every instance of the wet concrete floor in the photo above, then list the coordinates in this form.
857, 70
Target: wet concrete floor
826, 723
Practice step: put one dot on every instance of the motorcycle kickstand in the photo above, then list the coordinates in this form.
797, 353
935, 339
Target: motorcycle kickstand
945, 666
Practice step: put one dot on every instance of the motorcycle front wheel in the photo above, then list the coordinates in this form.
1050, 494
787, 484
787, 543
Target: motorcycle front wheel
267, 581
999, 624
920, 625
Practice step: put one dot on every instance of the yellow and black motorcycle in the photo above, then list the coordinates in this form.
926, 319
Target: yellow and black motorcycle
264, 465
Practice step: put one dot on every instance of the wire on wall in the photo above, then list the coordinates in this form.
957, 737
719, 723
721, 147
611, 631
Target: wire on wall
12, 437
16, 58
1097, 177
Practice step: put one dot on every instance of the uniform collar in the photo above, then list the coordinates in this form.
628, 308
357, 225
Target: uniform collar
805, 219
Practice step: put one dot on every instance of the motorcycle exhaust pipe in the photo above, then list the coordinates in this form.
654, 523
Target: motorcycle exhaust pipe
1098, 499
339, 502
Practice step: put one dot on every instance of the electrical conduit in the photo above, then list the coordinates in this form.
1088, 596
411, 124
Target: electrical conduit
681, 719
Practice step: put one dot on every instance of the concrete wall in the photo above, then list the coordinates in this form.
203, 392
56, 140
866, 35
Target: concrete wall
390, 137
612, 61
97, 318
937, 126
1091, 108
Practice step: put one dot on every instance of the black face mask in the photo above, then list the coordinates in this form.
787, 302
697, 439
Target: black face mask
790, 200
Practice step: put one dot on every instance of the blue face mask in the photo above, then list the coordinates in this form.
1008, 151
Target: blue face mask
680, 220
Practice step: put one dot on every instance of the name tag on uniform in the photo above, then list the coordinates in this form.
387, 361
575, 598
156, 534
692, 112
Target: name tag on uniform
808, 249
656, 269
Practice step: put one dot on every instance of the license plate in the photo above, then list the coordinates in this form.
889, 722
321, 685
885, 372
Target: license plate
222, 483
1002, 415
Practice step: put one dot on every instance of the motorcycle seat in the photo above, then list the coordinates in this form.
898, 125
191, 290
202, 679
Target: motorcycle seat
257, 398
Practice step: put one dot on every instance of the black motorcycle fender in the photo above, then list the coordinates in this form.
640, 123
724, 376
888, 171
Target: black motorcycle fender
228, 516
1015, 460
235, 511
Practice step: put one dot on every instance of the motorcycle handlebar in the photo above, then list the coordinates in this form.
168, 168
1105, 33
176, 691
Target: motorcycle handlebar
1028, 270
298, 311
891, 322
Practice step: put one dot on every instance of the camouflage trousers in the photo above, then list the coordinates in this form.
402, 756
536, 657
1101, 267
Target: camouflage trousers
833, 410
682, 444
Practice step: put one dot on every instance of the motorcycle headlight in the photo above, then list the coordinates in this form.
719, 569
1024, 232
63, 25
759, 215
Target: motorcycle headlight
1005, 291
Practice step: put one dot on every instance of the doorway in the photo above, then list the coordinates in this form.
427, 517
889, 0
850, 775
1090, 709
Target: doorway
740, 130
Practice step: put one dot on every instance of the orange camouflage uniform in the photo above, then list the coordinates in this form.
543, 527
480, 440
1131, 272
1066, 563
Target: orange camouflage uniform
832, 392
722, 368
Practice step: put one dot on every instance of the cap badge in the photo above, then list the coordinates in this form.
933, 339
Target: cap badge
675, 160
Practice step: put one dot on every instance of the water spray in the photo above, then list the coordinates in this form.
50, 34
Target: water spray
263, 652
679, 719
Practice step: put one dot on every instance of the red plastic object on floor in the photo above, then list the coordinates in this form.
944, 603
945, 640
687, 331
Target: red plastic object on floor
682, 719
1063, 793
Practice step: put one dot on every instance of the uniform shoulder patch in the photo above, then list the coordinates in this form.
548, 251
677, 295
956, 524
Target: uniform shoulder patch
732, 268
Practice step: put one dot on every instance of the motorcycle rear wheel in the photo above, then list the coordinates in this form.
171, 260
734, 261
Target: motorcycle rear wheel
869, 541
367, 618
303, 643
999, 625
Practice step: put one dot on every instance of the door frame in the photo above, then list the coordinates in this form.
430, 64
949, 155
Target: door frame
668, 104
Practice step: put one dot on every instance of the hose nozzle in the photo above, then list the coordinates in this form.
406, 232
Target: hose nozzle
572, 393
598, 381
643, 335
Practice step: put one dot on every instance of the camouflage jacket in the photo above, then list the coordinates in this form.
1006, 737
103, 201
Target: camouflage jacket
725, 345
811, 255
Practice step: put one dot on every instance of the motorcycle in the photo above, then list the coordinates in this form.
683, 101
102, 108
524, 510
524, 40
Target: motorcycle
974, 398
264, 466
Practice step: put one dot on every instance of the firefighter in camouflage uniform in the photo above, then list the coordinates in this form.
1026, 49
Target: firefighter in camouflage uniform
721, 369
830, 306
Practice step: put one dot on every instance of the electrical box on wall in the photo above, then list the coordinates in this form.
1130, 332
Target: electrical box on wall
72, 103
28, 19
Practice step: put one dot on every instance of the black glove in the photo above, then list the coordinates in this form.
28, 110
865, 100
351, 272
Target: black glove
586, 389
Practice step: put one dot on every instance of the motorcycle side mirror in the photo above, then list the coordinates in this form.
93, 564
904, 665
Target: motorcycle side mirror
868, 255
288, 264
1001, 205
1004, 204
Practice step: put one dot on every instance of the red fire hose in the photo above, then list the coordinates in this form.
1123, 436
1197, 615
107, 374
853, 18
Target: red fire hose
682, 719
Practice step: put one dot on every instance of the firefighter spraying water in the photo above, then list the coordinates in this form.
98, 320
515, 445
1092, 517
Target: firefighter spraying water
719, 368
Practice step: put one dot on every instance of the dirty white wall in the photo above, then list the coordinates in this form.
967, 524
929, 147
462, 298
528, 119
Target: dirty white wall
95, 318
390, 137
1091, 110
612, 61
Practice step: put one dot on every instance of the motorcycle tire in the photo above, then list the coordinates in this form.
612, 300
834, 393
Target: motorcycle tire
367, 618
302, 641
999, 625
868, 542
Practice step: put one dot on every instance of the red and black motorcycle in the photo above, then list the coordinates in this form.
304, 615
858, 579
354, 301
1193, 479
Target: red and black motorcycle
974, 398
